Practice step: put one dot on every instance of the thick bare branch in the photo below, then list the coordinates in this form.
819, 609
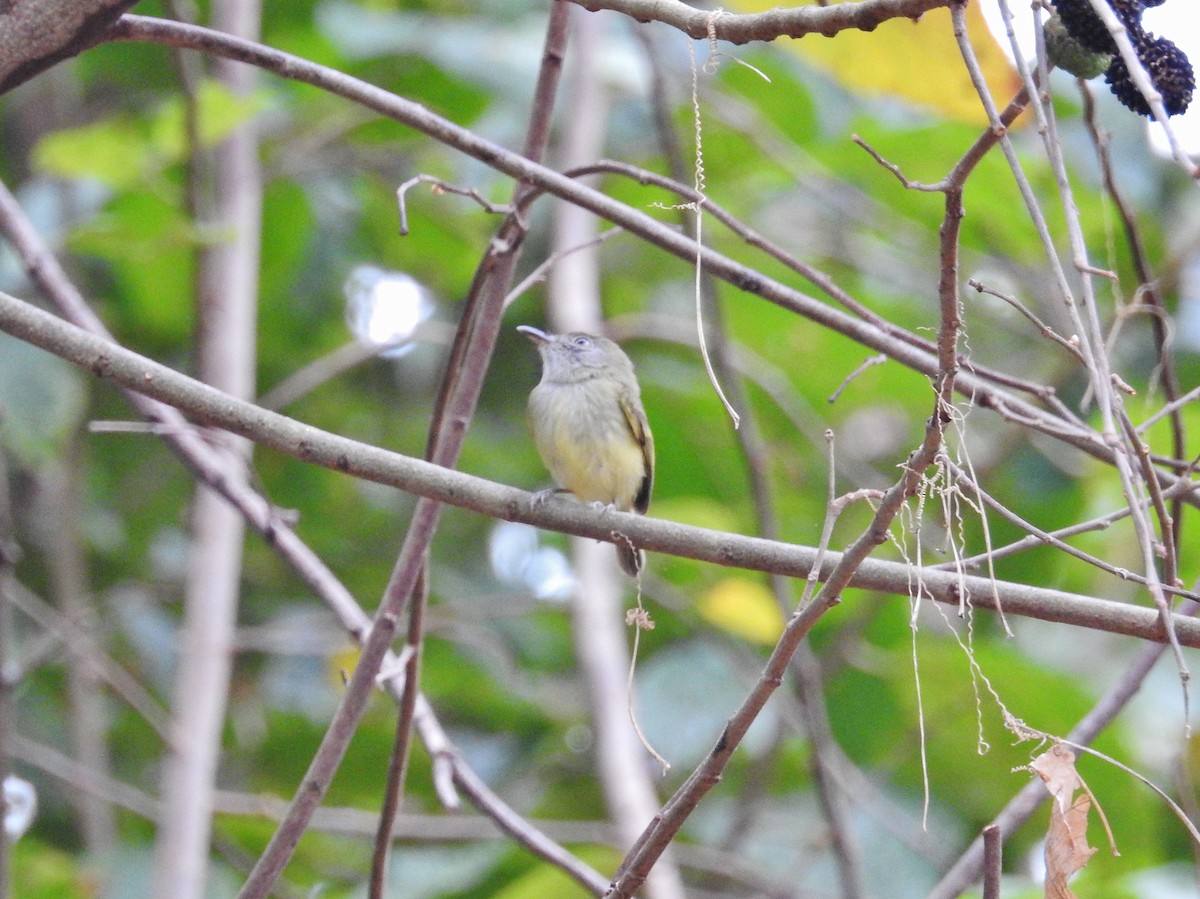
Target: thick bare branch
35, 34
227, 185
204, 404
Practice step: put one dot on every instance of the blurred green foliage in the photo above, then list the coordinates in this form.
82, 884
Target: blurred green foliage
500, 667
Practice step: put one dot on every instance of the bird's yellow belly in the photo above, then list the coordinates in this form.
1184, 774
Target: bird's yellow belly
589, 448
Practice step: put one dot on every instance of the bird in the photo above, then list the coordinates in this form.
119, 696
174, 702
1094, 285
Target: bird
590, 428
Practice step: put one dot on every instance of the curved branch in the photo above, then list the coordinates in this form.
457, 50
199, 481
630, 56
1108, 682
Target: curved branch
209, 406
796, 21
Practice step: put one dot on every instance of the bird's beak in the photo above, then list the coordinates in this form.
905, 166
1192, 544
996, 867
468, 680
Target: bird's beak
537, 336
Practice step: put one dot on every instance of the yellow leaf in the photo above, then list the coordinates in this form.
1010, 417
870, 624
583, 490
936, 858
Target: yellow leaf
743, 607
918, 61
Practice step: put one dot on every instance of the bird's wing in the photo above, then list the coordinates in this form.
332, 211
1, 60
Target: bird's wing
635, 417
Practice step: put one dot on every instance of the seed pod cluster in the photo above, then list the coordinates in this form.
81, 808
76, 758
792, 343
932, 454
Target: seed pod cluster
1068, 53
1167, 65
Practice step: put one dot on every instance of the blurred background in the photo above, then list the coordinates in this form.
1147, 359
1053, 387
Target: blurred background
353, 325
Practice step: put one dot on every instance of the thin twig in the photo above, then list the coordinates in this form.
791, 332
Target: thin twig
393, 791
1085, 314
523, 834
81, 642
1166, 545
1170, 408
1149, 289
905, 181
821, 280
438, 186
303, 380
1039, 537
1043, 328
540, 272
869, 363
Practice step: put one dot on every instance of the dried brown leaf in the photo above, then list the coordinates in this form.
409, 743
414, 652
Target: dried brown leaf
1067, 849
1056, 767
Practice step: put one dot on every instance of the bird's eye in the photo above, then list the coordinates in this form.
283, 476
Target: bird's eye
582, 341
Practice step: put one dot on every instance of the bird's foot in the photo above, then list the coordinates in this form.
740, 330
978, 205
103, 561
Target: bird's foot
542, 495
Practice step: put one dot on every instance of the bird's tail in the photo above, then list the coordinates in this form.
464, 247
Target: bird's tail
631, 558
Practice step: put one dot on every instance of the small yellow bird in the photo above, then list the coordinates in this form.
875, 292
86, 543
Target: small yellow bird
590, 428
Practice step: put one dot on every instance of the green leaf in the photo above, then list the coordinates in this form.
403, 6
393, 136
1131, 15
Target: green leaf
123, 151
148, 241
113, 151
